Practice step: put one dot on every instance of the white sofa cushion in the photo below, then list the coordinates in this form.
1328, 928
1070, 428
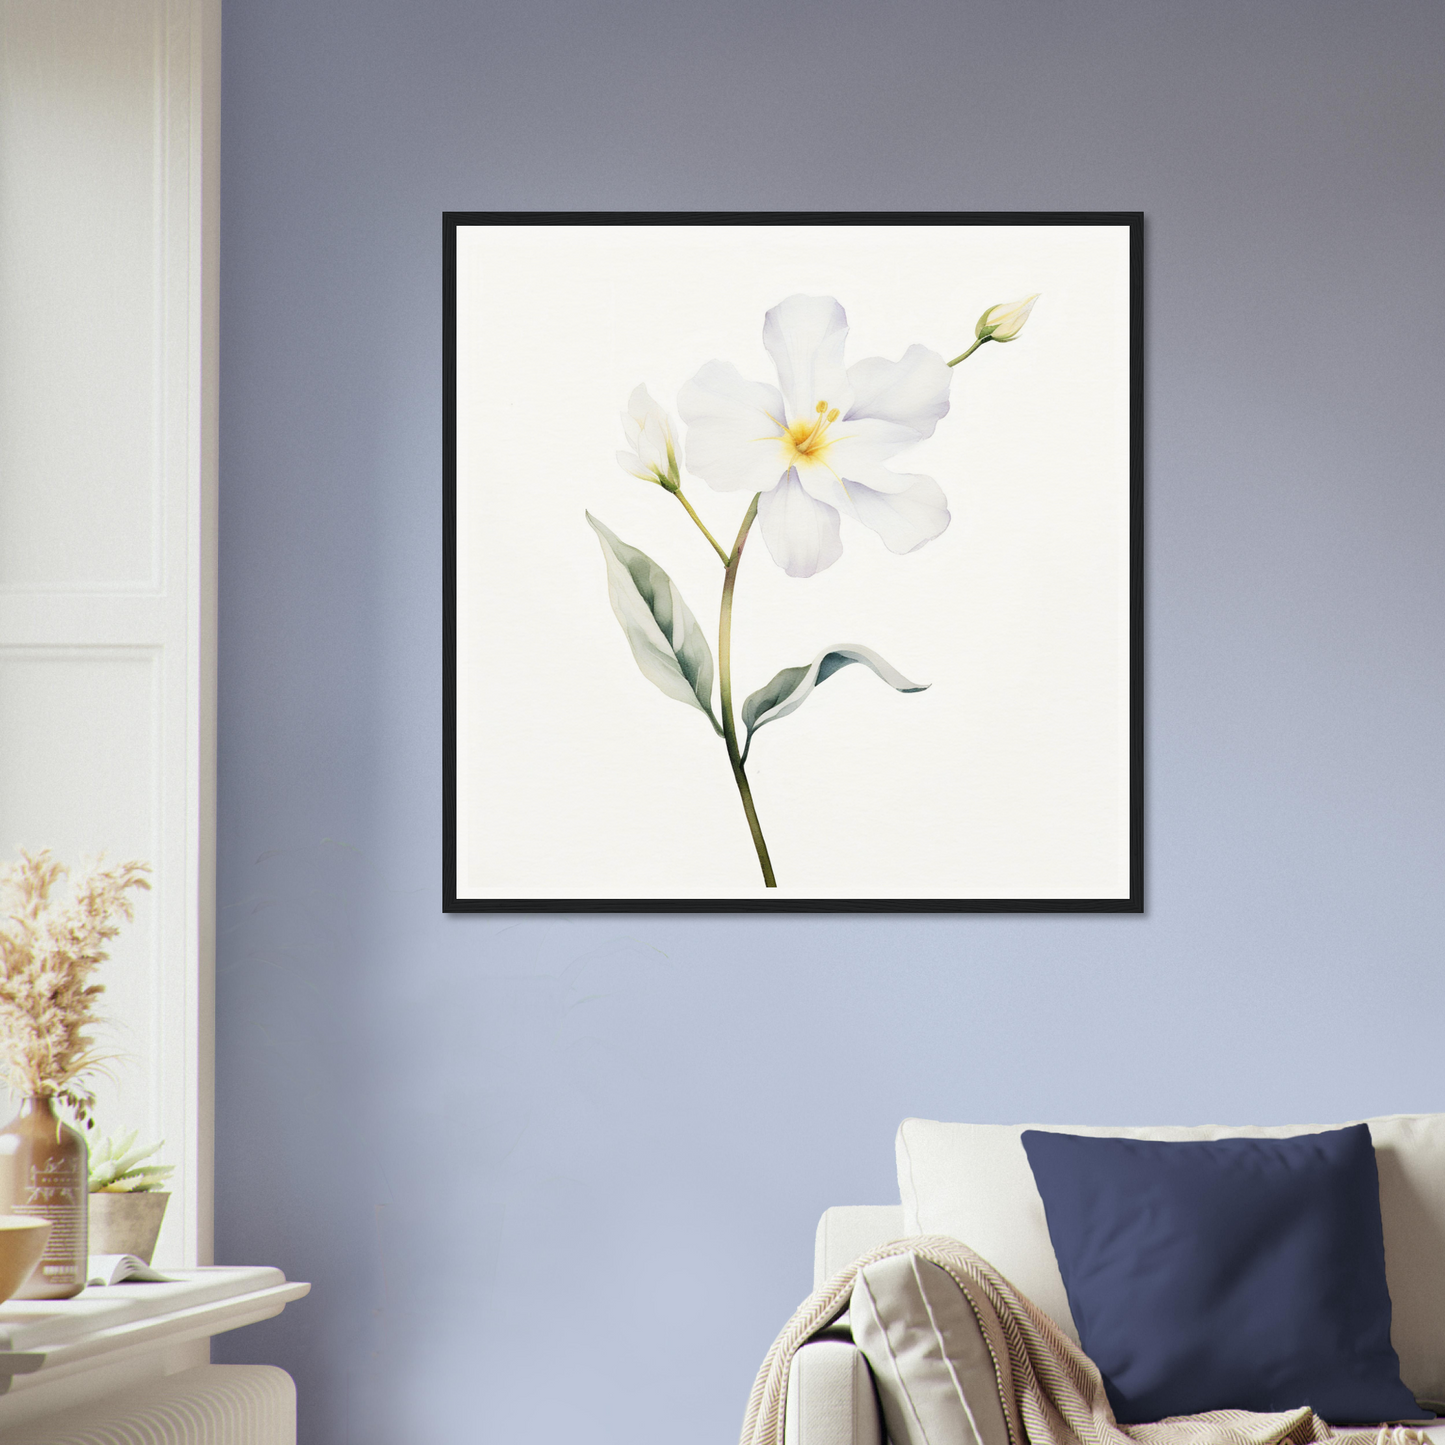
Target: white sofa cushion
973, 1181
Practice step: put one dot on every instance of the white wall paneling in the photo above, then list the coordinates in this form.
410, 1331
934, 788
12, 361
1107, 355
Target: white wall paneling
109, 158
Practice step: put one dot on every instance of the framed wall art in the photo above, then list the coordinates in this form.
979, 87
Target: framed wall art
792, 562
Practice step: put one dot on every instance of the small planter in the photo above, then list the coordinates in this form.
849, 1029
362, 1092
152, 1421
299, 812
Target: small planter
126, 1223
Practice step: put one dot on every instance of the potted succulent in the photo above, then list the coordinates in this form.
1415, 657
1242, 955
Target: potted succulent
127, 1200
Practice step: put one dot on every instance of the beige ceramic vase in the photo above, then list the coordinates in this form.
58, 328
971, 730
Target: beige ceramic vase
44, 1175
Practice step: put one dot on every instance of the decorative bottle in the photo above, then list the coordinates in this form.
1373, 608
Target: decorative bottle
45, 1174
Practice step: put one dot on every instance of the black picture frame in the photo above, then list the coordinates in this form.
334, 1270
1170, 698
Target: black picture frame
1130, 902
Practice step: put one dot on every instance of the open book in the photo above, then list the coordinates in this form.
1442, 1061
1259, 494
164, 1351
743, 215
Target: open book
121, 1269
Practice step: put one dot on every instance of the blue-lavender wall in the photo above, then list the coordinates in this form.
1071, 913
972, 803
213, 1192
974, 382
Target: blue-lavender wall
555, 1178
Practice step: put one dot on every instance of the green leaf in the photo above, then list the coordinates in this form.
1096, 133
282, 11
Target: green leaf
793, 686
118, 1159
665, 639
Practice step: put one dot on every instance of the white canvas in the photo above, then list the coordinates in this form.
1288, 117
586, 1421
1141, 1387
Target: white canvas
1007, 779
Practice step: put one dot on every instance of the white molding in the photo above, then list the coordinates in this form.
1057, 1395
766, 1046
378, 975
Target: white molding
158, 598
202, 615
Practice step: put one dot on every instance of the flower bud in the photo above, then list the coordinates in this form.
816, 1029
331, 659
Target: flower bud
1005, 321
649, 433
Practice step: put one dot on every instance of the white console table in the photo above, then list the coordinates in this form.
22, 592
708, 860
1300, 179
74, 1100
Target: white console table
69, 1357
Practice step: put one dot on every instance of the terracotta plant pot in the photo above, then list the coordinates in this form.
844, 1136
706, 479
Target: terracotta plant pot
22, 1242
126, 1223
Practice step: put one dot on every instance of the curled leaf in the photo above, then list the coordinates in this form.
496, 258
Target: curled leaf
662, 632
792, 687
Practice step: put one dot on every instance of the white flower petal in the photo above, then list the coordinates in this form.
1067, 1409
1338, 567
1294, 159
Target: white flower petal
804, 336
801, 534
654, 442
633, 465
733, 426
856, 453
912, 392
639, 405
649, 433
906, 519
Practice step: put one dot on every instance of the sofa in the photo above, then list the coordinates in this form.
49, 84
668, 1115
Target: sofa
973, 1182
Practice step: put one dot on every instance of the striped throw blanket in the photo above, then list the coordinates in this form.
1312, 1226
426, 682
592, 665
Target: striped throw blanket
1051, 1392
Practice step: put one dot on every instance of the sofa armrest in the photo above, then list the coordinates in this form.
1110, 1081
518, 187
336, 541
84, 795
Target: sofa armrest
830, 1397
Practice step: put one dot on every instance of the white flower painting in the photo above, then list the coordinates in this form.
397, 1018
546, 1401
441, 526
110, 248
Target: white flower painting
700, 469
812, 449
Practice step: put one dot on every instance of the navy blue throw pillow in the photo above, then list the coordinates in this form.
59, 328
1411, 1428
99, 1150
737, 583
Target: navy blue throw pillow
1218, 1274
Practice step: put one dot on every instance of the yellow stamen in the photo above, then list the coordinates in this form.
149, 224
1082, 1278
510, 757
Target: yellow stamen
806, 441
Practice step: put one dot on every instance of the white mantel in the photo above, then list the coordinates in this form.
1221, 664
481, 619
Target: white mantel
56, 1354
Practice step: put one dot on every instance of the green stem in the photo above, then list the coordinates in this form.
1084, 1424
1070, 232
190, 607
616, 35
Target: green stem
725, 681
964, 355
678, 494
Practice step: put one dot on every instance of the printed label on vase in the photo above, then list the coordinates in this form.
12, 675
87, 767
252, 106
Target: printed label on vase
56, 1189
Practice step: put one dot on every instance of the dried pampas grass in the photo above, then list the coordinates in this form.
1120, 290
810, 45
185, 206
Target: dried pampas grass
49, 947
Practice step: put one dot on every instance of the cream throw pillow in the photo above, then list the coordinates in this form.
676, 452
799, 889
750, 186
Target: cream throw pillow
935, 1376
973, 1181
